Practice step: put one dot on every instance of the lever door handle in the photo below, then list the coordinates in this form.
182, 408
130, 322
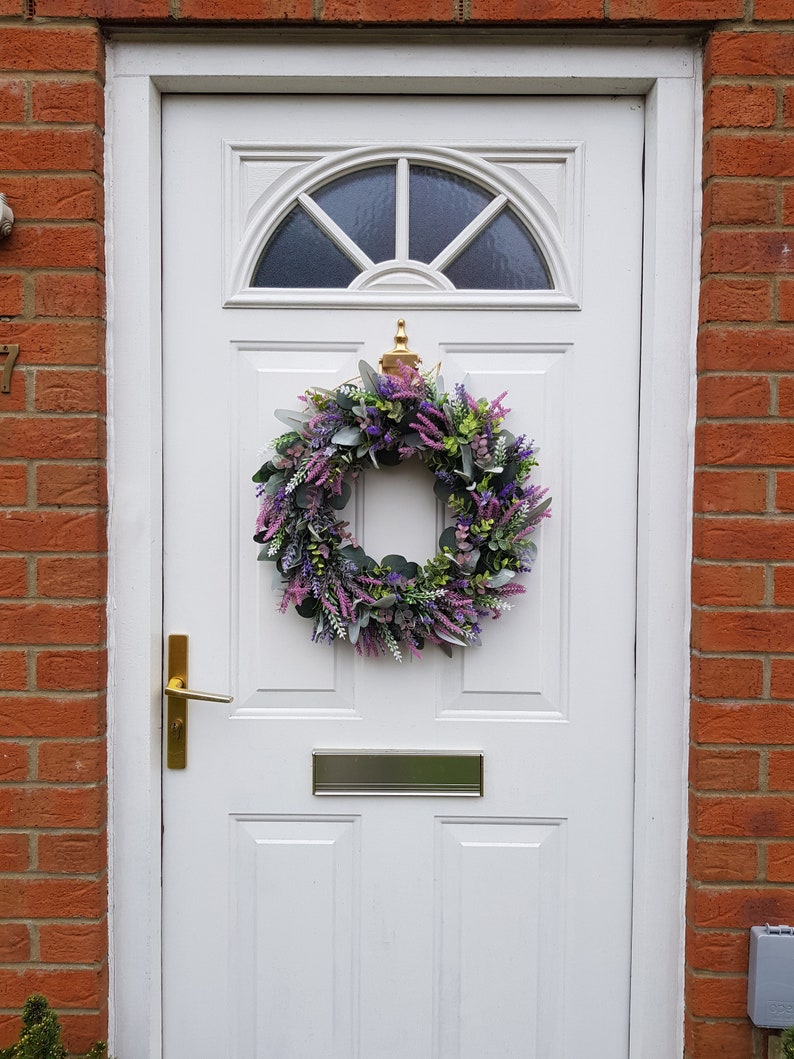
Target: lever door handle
176, 688
177, 693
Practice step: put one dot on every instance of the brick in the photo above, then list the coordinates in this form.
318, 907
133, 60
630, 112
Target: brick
788, 105
13, 670
72, 942
762, 443
780, 862
12, 100
13, 484
81, 1032
727, 678
782, 679
739, 202
49, 437
50, 149
723, 861
727, 586
135, 10
11, 295
52, 531
764, 155
719, 997
786, 396
292, 10
674, 10
730, 491
38, 196
52, 717
48, 50
70, 294
752, 53
745, 250
757, 816
51, 807
14, 851
743, 538
71, 485
740, 907
52, 898
743, 724
718, 631
14, 764
786, 300
71, 670
61, 761
52, 623
13, 576
784, 586
526, 10
788, 205
68, 853
68, 988
747, 105
72, 101
724, 770
69, 391
57, 246
739, 349
784, 492
14, 943
781, 770
735, 299
773, 10
732, 396
717, 950
720, 1040
64, 577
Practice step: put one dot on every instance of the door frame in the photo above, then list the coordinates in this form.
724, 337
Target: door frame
667, 72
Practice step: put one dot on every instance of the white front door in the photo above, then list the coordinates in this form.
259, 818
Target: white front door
296, 925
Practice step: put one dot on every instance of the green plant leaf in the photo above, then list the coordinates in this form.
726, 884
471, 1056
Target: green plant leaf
368, 376
338, 502
347, 436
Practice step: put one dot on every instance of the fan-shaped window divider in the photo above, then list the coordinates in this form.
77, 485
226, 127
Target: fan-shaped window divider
435, 225
402, 225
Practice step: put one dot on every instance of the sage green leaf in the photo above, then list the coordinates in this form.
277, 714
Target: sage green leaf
340, 501
263, 557
396, 563
353, 629
347, 436
291, 418
302, 494
444, 635
307, 608
448, 540
385, 601
353, 555
344, 400
497, 580
368, 376
442, 490
275, 482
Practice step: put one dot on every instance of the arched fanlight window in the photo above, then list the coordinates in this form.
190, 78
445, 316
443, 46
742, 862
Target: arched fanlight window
403, 225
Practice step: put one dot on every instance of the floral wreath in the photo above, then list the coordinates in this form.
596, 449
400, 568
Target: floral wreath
481, 472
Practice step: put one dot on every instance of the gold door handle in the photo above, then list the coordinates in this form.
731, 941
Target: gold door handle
177, 693
175, 688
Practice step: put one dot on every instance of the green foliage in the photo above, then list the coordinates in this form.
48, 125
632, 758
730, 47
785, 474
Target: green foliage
787, 1042
41, 1035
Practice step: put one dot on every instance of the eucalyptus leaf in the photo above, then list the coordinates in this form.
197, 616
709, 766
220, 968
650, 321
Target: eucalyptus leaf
510, 439
347, 436
353, 555
444, 635
539, 509
396, 563
293, 419
467, 468
470, 560
274, 483
344, 400
446, 649
448, 540
303, 495
368, 376
442, 490
439, 384
338, 502
414, 439
263, 556
353, 629
385, 601
374, 460
389, 457
501, 578
308, 607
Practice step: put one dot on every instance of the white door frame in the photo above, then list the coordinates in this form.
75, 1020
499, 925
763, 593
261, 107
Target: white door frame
667, 73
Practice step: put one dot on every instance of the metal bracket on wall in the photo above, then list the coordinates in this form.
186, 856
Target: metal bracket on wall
11, 352
6, 217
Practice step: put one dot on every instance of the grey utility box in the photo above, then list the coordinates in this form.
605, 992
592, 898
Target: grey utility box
770, 983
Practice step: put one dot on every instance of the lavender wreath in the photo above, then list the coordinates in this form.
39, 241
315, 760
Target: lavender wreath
481, 472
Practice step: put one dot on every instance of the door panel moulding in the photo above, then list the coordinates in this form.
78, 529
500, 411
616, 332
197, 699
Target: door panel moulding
140, 68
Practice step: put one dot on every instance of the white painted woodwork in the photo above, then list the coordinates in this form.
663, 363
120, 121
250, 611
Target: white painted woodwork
289, 930
666, 74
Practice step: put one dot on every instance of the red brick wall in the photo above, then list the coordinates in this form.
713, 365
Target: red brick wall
52, 544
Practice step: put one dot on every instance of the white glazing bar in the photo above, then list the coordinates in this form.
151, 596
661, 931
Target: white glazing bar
334, 232
401, 211
473, 229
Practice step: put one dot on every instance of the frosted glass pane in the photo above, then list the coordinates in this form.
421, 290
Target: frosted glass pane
441, 205
504, 256
301, 255
363, 205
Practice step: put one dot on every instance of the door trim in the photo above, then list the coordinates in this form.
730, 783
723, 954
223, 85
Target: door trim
668, 73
